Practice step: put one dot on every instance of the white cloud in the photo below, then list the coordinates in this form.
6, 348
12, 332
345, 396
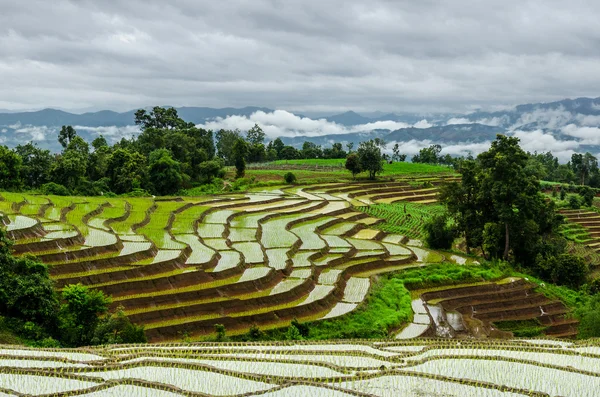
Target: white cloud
422, 124
545, 118
588, 135
112, 133
530, 141
4, 130
459, 120
283, 123
588, 120
36, 133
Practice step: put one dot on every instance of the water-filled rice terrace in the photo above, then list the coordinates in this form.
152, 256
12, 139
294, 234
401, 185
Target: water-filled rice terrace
181, 265
426, 367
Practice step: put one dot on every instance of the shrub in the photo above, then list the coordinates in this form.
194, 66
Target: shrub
574, 202
221, 333
290, 178
589, 318
564, 269
563, 192
55, 189
440, 235
587, 195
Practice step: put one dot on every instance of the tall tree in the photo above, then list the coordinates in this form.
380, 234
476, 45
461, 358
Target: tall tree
164, 173
353, 164
225, 141
36, 164
80, 314
66, 135
370, 158
583, 165
160, 118
278, 145
240, 151
126, 170
255, 135
10, 169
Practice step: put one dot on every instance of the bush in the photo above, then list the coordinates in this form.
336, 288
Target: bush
440, 235
587, 195
290, 178
137, 192
563, 192
564, 269
574, 202
589, 318
55, 189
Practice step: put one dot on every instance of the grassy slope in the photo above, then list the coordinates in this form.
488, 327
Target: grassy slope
409, 223
334, 171
388, 306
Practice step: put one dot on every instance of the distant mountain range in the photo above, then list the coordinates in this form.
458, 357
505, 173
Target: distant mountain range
569, 120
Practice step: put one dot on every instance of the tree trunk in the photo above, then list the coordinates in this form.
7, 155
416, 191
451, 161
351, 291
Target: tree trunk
506, 241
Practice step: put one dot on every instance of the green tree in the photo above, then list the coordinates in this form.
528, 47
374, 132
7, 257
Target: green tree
10, 169
210, 169
126, 170
289, 178
288, 153
589, 315
66, 135
509, 189
221, 333
240, 150
99, 142
370, 158
353, 164
116, 328
255, 135
498, 205
462, 201
293, 333
428, 155
256, 153
310, 150
587, 195
160, 118
225, 141
278, 145
584, 165
36, 164
164, 173
440, 235
79, 316
69, 168
26, 290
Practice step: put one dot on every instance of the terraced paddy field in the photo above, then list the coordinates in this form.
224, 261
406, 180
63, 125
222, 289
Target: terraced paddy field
180, 266
417, 368
583, 228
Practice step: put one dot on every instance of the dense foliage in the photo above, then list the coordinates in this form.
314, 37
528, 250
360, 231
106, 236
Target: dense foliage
499, 209
31, 308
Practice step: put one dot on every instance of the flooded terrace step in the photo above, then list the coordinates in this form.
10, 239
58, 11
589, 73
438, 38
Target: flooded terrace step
544, 307
480, 289
519, 292
521, 313
501, 304
557, 319
561, 332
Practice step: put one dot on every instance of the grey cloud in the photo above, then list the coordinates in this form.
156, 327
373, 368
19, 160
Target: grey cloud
301, 55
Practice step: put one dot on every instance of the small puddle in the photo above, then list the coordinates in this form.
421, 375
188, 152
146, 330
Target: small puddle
447, 324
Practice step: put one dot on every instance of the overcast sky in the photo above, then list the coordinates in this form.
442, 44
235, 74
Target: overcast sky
300, 55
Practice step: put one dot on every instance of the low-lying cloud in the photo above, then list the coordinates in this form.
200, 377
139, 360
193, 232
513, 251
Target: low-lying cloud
281, 123
531, 141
